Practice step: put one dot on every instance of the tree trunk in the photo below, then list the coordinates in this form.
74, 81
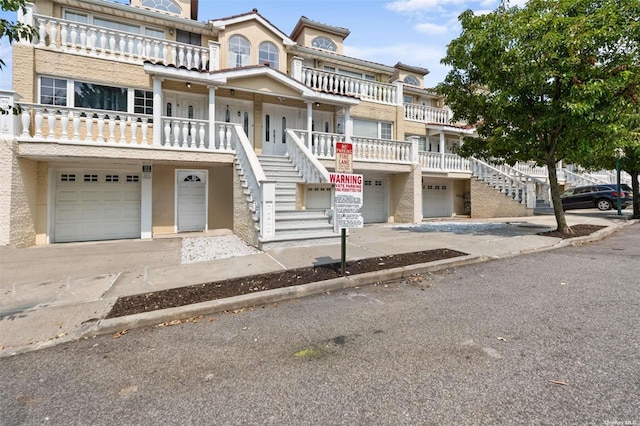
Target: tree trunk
636, 197
555, 198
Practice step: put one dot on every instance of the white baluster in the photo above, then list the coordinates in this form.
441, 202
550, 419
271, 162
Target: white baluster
221, 137
73, 36
196, 59
38, 122
51, 122
42, 32
83, 39
147, 50
181, 55
176, 133
134, 131
123, 128
100, 128
64, 31
189, 57
88, 125
112, 128
122, 45
227, 146
167, 132
156, 51
185, 134
140, 47
165, 52
201, 133
92, 40
174, 54
64, 122
53, 34
26, 122
131, 47
76, 125
145, 126
103, 43
112, 43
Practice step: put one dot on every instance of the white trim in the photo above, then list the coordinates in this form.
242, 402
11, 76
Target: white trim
222, 23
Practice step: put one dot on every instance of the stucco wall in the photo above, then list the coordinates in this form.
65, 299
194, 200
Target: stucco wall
221, 197
18, 197
406, 196
487, 202
243, 224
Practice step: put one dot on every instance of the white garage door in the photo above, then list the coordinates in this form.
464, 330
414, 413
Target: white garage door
96, 205
192, 204
373, 200
436, 198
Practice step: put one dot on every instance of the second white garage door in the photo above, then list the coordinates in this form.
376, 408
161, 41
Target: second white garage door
437, 199
96, 205
374, 200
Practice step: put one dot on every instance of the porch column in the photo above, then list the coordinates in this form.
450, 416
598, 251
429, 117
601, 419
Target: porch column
212, 118
157, 111
348, 125
399, 93
309, 124
214, 56
146, 202
415, 141
26, 18
442, 146
296, 68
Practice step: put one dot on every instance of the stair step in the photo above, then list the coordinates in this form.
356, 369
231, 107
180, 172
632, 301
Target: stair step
297, 240
303, 226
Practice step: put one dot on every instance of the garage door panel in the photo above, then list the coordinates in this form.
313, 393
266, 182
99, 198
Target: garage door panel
99, 206
437, 198
373, 200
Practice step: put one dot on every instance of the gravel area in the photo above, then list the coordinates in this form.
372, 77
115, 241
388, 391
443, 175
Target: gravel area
202, 249
467, 227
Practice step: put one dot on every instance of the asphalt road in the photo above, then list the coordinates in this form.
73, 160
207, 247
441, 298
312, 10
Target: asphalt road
546, 338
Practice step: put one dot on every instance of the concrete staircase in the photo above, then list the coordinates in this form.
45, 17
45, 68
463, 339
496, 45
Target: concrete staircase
293, 227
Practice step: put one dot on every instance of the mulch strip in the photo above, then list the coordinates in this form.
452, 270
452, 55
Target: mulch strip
578, 231
182, 296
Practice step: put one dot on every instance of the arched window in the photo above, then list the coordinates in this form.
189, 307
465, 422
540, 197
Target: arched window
239, 52
324, 43
164, 5
411, 80
268, 53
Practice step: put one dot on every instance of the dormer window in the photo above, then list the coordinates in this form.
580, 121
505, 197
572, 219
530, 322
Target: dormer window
324, 43
411, 80
163, 5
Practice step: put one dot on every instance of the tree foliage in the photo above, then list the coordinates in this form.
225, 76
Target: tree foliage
546, 82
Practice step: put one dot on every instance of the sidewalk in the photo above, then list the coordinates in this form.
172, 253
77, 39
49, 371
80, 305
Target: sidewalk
59, 293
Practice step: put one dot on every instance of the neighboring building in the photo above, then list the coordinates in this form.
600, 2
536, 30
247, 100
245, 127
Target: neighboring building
138, 120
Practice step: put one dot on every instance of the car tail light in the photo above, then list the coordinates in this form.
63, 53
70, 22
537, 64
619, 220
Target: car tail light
615, 194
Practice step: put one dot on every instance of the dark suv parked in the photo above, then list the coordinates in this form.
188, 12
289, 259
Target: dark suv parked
602, 196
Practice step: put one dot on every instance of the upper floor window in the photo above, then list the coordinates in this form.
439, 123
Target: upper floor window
239, 51
324, 43
97, 96
411, 80
349, 73
188, 38
84, 18
268, 53
407, 99
372, 129
53, 91
164, 5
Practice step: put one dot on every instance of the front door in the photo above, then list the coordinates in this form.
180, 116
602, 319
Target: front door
274, 130
191, 200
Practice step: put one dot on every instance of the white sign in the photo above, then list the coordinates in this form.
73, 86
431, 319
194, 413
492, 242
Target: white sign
348, 199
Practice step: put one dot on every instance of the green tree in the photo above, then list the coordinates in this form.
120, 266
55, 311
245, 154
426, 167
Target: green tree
543, 81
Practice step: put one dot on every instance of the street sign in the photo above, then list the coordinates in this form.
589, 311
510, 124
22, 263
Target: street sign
348, 199
344, 157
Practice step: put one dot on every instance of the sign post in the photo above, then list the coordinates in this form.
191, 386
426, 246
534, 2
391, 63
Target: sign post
348, 201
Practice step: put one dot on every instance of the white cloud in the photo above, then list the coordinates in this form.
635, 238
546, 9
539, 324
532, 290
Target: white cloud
482, 12
431, 29
409, 6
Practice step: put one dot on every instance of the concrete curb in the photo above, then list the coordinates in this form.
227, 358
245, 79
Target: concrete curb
113, 325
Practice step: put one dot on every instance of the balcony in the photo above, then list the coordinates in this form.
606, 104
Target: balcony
46, 123
427, 114
89, 40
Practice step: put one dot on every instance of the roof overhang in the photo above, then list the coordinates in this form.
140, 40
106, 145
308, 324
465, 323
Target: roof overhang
183, 74
221, 24
309, 52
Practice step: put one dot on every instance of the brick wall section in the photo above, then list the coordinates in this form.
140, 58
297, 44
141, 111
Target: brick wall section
6, 170
487, 202
243, 224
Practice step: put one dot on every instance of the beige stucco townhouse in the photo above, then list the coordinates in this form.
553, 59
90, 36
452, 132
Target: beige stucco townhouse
139, 120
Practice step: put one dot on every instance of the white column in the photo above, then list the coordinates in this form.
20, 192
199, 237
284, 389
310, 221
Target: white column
146, 203
296, 68
212, 118
214, 56
157, 111
399, 93
442, 147
309, 124
348, 125
26, 18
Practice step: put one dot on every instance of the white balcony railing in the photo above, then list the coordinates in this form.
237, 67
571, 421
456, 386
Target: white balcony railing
304, 160
427, 114
91, 40
367, 90
435, 161
83, 126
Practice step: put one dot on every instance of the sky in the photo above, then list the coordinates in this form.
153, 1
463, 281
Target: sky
414, 32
